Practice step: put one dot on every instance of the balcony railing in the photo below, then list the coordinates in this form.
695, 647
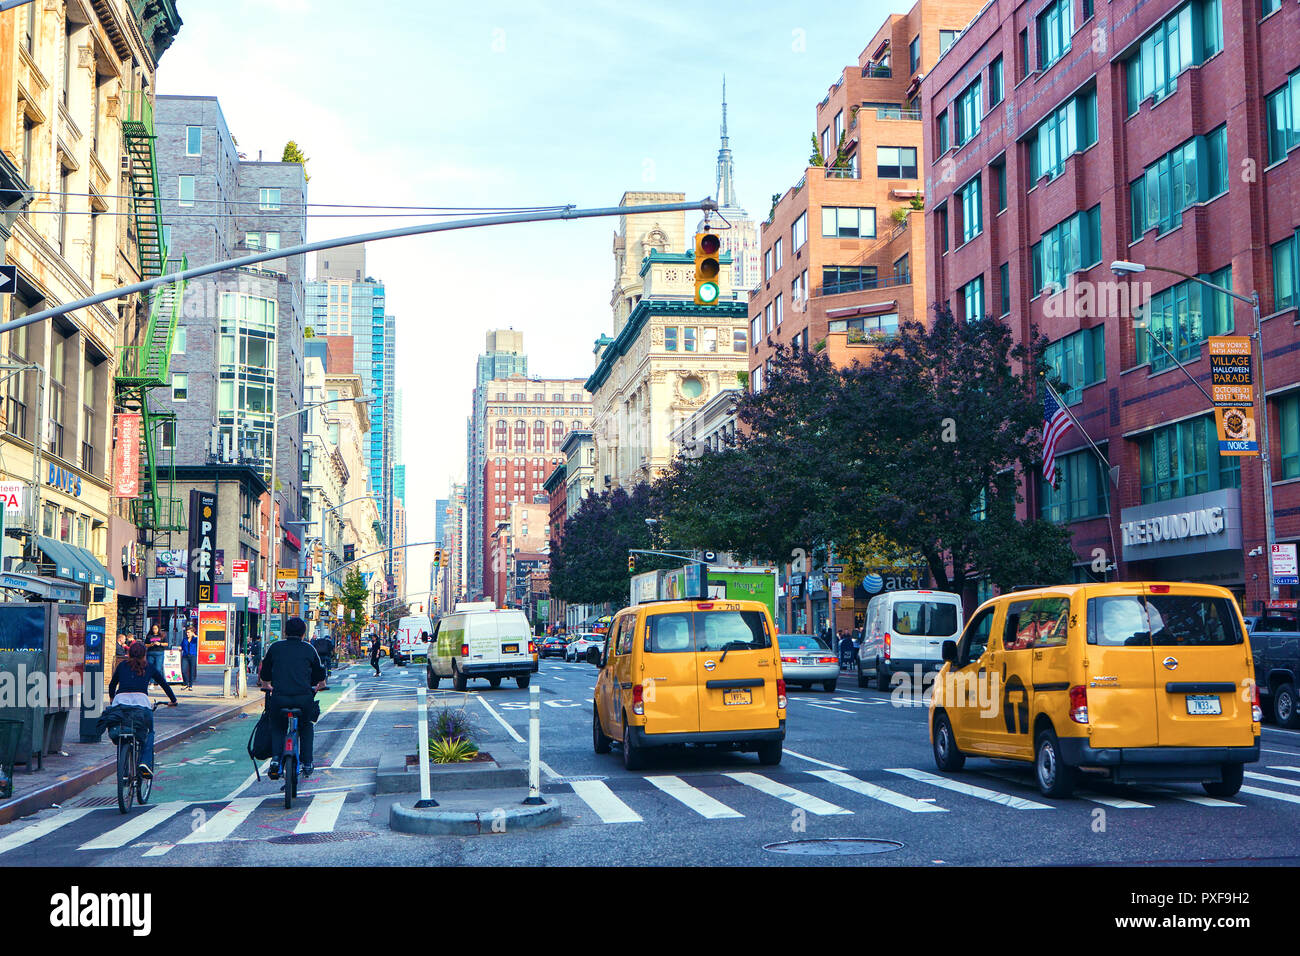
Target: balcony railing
864, 285
842, 173
898, 114
881, 70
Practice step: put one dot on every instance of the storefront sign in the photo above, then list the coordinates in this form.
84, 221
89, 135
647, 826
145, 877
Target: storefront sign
12, 493
201, 582
1233, 390
1284, 564
1171, 527
170, 564
292, 540
64, 480
126, 456
214, 631
239, 582
1195, 524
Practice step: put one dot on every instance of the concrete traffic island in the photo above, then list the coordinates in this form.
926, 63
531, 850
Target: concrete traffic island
472, 813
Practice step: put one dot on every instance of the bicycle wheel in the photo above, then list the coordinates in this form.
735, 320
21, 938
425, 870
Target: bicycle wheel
143, 787
125, 776
289, 770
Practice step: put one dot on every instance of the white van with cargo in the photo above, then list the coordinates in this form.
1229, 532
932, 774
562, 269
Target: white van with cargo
481, 641
413, 637
904, 630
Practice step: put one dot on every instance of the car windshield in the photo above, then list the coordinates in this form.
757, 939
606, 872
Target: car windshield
1163, 620
801, 642
927, 618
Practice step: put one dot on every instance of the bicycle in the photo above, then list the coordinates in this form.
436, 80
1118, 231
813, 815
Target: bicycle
289, 759
131, 783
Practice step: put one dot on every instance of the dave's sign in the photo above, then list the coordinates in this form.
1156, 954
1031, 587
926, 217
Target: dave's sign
201, 587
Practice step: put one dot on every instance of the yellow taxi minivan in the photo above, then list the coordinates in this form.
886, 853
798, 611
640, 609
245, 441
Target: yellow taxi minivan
690, 672
1131, 682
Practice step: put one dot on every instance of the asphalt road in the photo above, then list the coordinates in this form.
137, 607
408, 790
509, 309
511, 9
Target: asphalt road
856, 765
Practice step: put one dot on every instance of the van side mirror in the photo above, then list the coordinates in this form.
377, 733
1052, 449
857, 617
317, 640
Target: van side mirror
949, 651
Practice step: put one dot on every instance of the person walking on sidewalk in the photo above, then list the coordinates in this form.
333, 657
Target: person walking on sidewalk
189, 658
130, 688
155, 645
374, 654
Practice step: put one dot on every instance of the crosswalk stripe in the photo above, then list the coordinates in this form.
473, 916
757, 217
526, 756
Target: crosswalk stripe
223, 823
1265, 778
1119, 803
1291, 769
805, 801
135, 827
37, 830
877, 793
322, 813
602, 801
1201, 801
697, 800
1271, 794
993, 796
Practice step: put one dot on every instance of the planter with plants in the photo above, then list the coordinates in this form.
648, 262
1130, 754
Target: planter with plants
451, 738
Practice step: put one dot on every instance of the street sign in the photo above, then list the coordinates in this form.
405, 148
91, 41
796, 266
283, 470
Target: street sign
1284, 564
286, 574
8, 280
239, 577
1233, 390
279, 596
834, 569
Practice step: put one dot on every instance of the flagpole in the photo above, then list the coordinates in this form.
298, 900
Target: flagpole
1105, 483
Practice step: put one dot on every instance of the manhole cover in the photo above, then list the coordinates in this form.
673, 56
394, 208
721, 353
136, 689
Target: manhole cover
341, 837
96, 802
579, 779
834, 846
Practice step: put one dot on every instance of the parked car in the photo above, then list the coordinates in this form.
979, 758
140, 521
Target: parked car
807, 659
585, 647
553, 646
1132, 682
1275, 647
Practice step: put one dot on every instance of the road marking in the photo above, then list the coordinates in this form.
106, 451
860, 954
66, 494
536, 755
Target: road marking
37, 830
877, 793
135, 827
546, 769
697, 800
993, 796
1265, 778
347, 747
1291, 769
248, 781
828, 707
159, 850
805, 801
223, 823
322, 813
556, 677
1119, 803
1285, 753
1206, 801
501, 720
833, 766
1271, 794
602, 801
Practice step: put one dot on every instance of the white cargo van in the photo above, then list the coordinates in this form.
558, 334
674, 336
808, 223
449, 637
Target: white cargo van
481, 641
904, 630
410, 644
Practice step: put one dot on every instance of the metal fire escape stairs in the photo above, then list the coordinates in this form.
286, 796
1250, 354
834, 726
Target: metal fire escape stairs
145, 367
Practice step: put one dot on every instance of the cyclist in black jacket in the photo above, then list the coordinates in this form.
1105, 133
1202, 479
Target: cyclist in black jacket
292, 671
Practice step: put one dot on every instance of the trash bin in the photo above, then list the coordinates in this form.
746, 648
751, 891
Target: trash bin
10, 734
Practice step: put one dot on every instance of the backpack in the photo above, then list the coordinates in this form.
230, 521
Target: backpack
259, 742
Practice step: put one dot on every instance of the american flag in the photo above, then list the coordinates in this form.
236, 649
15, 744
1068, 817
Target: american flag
1056, 422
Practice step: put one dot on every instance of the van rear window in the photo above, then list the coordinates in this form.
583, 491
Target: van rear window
705, 631
926, 618
1162, 620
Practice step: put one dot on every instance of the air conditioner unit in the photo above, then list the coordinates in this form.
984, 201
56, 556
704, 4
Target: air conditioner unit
126, 164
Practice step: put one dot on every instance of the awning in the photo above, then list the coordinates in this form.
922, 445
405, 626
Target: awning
49, 589
64, 564
99, 575
853, 310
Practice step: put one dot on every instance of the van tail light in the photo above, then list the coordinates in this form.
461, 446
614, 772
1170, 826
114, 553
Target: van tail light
464, 650
780, 694
1256, 713
887, 644
638, 700
532, 648
1079, 704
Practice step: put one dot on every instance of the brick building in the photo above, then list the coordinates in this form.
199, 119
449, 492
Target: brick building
1065, 136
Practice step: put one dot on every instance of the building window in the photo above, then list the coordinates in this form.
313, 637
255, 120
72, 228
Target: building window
846, 222
178, 341
1055, 25
272, 240
1070, 128
193, 140
670, 339
1288, 416
972, 223
1183, 459
799, 231
709, 340
967, 112
837, 279
776, 253
180, 387
1182, 317
253, 240
839, 128
688, 340
1286, 270
946, 39
1077, 361
1196, 171
996, 89
1189, 36
738, 341
972, 296
1283, 108
1000, 182
1023, 47
914, 55
875, 326
941, 132
941, 220
185, 191
1004, 287
1080, 492
903, 270
778, 310
268, 199
896, 162
1069, 246
767, 264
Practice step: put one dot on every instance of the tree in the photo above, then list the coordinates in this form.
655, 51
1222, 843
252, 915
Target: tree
294, 154
355, 596
593, 554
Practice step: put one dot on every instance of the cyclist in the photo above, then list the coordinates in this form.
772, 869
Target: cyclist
292, 671
324, 645
130, 688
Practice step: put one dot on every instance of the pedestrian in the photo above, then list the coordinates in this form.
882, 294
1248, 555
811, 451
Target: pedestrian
374, 654
189, 658
846, 650
155, 645
124, 642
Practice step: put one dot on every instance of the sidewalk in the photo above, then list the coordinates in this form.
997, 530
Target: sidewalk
79, 765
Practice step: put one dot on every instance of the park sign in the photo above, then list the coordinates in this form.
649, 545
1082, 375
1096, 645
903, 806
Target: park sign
201, 585
1232, 387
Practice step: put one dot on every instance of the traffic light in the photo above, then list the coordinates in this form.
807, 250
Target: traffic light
437, 557
631, 563
707, 268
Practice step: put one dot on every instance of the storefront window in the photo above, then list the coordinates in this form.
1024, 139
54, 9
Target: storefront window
1183, 459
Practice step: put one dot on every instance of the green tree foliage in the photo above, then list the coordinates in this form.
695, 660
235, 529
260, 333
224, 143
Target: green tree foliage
293, 154
355, 595
592, 556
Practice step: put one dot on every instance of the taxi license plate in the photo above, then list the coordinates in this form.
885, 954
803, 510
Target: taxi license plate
1203, 704
737, 697
509, 648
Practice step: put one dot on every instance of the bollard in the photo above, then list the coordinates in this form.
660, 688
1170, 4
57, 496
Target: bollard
422, 732
225, 682
534, 746
243, 677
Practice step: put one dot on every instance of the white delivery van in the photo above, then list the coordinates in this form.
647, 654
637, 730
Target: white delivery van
482, 641
410, 644
904, 630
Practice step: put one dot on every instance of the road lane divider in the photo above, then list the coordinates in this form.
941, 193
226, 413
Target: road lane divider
501, 720
347, 747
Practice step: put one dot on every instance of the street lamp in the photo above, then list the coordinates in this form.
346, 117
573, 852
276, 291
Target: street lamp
1124, 267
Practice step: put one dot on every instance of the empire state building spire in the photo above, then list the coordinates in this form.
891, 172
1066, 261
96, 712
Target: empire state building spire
726, 190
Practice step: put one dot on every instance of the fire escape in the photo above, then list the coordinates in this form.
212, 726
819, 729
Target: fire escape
142, 368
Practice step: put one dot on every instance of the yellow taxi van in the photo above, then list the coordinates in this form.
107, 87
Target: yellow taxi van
1132, 682
690, 672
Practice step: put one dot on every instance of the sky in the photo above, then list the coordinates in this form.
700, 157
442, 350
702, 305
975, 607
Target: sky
412, 102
